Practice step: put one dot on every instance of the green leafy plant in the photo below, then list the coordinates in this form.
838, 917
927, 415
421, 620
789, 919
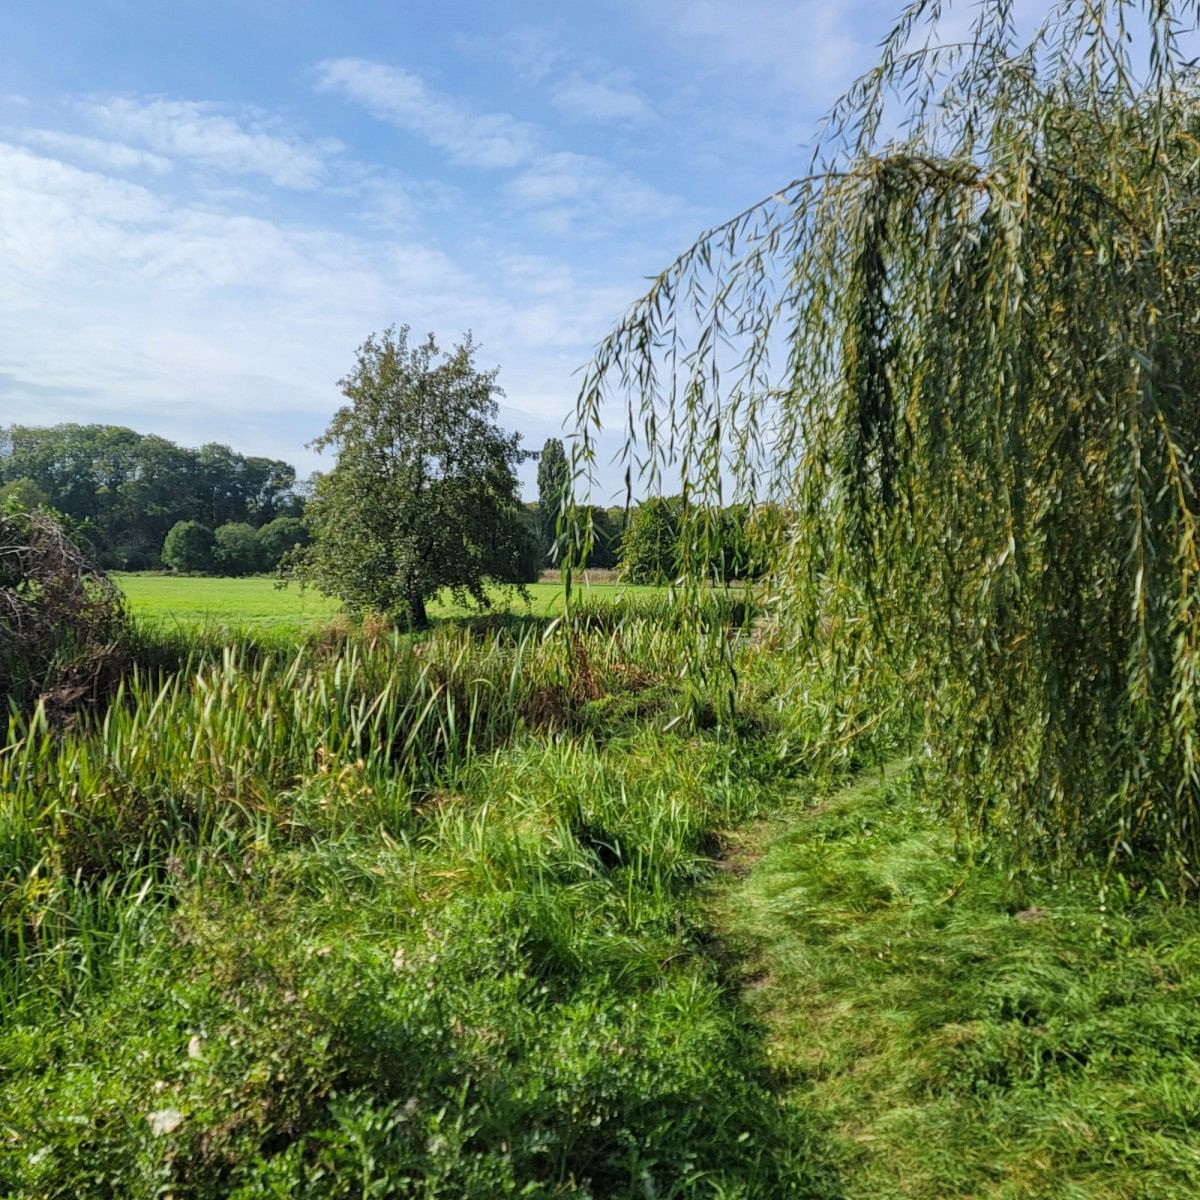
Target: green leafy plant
237, 549
279, 536
188, 547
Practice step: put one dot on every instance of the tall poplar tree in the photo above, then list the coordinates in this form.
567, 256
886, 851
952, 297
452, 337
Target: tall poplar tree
554, 485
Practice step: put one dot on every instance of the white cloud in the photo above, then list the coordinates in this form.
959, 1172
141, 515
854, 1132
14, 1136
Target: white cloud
488, 139
565, 192
113, 156
600, 100
809, 48
582, 87
121, 304
205, 133
532, 52
581, 194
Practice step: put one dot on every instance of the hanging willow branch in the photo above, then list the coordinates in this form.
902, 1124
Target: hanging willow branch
964, 367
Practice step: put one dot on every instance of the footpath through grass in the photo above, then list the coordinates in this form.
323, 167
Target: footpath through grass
955, 1034
416, 918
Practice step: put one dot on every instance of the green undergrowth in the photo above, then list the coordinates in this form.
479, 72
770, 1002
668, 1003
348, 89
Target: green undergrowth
478, 914
955, 1032
415, 920
171, 638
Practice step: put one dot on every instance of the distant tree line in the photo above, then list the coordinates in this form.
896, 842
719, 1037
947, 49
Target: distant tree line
122, 492
137, 502
652, 542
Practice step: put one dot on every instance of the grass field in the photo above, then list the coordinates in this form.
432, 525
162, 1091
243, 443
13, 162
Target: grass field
478, 914
256, 603
957, 1032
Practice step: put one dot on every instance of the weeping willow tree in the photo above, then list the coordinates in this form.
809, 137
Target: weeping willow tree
961, 355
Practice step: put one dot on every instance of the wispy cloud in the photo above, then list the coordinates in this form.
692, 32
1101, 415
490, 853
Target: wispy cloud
585, 195
392, 94
598, 99
122, 303
208, 134
561, 190
532, 51
100, 152
583, 87
808, 48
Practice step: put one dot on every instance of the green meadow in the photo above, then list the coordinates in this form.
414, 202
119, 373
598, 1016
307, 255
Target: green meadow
874, 876
257, 602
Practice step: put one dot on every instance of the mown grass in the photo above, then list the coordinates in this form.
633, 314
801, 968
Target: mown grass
256, 603
955, 1032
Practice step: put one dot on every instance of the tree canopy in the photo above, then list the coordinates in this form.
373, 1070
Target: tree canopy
123, 491
963, 358
237, 549
188, 547
424, 494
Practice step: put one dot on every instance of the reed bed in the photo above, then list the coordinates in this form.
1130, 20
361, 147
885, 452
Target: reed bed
252, 744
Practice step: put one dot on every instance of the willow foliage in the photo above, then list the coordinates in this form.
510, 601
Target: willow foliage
962, 360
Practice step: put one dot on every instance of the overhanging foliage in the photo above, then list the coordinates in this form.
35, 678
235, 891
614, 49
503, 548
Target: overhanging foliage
985, 433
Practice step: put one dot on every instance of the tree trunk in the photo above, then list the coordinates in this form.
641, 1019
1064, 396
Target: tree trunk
418, 618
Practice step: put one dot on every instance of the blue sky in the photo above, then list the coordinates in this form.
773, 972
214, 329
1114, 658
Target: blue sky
205, 207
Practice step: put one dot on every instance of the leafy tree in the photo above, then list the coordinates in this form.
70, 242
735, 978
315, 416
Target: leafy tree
985, 426
236, 549
650, 547
424, 491
554, 483
127, 489
279, 536
22, 495
604, 551
189, 547
531, 550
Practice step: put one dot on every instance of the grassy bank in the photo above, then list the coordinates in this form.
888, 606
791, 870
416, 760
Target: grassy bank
473, 915
415, 919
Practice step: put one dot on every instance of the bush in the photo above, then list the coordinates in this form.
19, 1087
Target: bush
188, 547
237, 550
22, 495
60, 616
279, 536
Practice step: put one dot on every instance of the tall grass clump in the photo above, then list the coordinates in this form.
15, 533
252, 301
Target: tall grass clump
981, 445
249, 747
393, 918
